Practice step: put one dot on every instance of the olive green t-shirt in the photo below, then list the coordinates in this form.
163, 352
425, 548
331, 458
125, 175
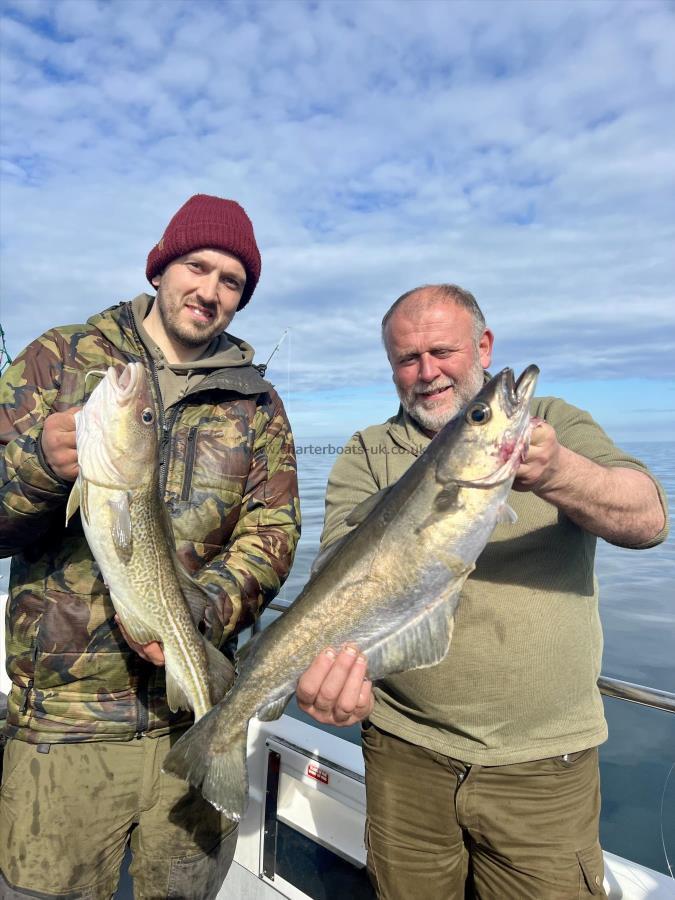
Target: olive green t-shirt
520, 679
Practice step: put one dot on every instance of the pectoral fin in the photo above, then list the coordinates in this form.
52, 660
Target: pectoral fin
448, 501
506, 515
424, 641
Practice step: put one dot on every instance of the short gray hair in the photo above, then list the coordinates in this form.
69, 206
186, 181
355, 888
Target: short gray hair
452, 293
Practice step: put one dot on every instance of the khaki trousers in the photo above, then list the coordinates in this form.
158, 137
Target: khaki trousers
438, 829
66, 816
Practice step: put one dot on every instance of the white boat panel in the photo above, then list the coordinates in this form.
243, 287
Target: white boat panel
625, 880
322, 803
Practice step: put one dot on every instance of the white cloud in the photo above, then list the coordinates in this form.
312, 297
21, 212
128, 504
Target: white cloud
520, 149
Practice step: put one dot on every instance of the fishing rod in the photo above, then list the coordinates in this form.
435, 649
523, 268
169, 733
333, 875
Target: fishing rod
5, 358
263, 367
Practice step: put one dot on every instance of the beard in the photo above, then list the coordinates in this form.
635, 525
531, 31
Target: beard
192, 334
433, 418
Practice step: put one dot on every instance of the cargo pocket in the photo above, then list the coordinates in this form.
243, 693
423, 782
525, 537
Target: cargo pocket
592, 872
201, 877
15, 753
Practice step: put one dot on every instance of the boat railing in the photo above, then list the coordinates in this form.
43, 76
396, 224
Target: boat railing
637, 693
610, 687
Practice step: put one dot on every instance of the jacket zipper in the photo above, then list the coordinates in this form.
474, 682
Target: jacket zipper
142, 714
189, 462
167, 428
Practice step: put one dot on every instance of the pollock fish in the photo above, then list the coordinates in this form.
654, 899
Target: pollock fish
391, 586
129, 533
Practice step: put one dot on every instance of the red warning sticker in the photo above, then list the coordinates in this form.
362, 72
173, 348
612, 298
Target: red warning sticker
315, 771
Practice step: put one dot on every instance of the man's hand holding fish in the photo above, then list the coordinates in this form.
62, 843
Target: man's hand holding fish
335, 689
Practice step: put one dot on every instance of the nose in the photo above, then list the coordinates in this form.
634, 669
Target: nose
428, 368
208, 286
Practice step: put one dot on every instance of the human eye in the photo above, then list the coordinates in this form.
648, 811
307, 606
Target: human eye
195, 265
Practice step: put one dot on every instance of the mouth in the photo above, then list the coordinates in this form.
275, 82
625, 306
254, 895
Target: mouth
200, 314
430, 396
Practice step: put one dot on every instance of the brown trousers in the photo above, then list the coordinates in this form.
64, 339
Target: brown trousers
438, 829
66, 816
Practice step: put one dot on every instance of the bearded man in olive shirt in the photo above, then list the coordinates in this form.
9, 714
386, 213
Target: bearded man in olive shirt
482, 772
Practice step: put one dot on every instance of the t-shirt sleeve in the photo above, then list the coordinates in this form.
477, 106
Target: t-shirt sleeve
577, 430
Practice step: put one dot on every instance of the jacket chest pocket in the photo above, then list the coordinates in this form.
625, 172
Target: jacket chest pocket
210, 461
190, 449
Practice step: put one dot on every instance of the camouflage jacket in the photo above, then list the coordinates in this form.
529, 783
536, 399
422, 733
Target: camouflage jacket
228, 477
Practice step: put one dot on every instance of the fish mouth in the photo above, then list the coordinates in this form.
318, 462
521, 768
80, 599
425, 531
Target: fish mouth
125, 384
517, 394
524, 387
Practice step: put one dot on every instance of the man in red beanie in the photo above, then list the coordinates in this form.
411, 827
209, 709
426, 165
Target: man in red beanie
88, 718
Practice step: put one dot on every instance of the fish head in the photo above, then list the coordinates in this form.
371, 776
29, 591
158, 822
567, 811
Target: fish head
488, 439
117, 442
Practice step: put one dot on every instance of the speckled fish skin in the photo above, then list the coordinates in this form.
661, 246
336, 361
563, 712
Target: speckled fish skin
118, 455
391, 587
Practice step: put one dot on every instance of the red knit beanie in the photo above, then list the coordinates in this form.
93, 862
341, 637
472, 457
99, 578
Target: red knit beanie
205, 221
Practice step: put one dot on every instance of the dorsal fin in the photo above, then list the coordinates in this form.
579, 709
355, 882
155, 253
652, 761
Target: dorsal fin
324, 556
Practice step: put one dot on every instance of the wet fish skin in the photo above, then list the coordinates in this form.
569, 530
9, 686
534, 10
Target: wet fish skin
391, 586
129, 534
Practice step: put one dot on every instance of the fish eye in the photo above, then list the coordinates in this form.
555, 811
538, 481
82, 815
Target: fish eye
148, 416
478, 414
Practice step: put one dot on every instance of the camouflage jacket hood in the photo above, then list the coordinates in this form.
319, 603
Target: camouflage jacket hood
228, 477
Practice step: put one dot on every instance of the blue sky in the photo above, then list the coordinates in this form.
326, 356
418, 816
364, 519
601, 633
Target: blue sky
522, 150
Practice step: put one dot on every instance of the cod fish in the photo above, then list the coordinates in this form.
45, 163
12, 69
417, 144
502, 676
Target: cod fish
390, 587
129, 533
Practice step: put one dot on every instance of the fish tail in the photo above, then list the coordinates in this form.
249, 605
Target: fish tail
219, 772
